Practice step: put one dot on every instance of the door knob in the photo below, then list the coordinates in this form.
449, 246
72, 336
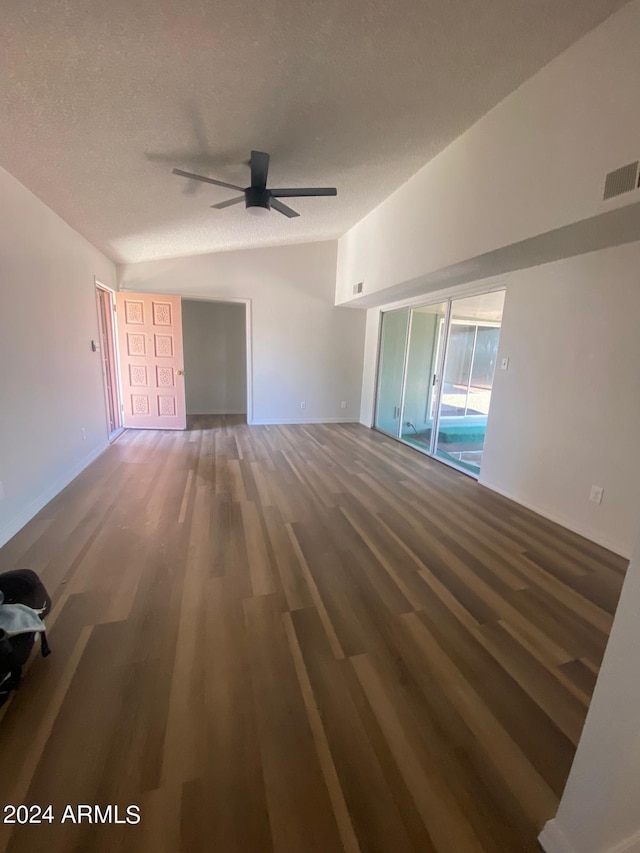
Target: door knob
179, 372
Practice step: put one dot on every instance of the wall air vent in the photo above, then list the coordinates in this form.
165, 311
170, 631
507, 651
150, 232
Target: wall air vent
357, 288
621, 180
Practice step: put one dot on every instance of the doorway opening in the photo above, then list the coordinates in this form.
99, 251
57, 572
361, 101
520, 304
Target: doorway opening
106, 307
215, 358
435, 376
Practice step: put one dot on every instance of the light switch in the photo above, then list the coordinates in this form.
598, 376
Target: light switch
504, 364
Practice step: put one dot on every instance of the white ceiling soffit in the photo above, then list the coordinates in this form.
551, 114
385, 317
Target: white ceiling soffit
100, 100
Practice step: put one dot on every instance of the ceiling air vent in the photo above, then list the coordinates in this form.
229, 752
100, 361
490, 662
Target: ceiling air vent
621, 180
357, 288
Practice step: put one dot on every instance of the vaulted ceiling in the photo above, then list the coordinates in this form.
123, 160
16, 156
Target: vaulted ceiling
99, 100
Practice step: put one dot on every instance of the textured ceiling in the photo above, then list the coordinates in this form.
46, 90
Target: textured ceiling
99, 100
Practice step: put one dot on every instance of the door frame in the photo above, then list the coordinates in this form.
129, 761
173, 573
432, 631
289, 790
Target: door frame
449, 297
404, 370
199, 297
112, 351
441, 359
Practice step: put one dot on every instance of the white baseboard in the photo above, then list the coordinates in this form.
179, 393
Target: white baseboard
629, 845
609, 544
205, 414
11, 527
553, 840
275, 422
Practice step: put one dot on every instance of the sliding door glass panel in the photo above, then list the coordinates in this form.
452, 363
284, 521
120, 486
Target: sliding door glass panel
425, 345
458, 369
470, 364
395, 326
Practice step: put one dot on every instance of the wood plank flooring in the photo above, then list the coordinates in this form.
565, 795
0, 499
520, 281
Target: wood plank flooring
300, 639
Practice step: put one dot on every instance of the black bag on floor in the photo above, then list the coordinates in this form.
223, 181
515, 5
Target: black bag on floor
21, 586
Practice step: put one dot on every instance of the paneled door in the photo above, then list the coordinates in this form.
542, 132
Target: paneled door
151, 361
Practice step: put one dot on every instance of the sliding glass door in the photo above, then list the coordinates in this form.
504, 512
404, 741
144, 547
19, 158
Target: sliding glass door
393, 345
435, 376
470, 362
421, 385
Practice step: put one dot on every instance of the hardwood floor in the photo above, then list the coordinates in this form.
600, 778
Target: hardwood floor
300, 639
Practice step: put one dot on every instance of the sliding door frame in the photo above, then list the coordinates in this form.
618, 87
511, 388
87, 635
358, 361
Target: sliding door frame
438, 377
449, 298
404, 372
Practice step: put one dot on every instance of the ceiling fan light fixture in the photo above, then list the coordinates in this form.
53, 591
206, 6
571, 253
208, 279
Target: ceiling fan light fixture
257, 201
258, 211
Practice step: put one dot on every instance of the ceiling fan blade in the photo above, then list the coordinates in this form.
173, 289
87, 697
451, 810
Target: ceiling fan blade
298, 192
206, 180
282, 208
228, 203
259, 169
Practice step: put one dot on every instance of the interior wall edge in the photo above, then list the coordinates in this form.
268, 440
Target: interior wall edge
628, 845
24, 516
553, 840
563, 521
53, 418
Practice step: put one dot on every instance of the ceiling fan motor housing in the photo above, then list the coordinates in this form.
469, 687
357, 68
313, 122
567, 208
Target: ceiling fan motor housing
256, 197
259, 200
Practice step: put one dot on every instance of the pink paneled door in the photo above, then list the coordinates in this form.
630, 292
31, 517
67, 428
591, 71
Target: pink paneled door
151, 361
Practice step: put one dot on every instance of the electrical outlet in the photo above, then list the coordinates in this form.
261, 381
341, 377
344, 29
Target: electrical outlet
84, 433
596, 494
303, 405
343, 404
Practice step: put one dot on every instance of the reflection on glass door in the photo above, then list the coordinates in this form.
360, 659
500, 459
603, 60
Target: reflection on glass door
393, 345
470, 362
421, 386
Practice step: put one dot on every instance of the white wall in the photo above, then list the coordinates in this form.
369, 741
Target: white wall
50, 380
565, 415
599, 810
304, 349
535, 163
215, 361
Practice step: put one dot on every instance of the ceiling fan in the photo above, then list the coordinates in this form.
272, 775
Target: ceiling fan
257, 198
